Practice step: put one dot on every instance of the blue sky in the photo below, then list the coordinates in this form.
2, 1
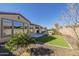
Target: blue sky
42, 14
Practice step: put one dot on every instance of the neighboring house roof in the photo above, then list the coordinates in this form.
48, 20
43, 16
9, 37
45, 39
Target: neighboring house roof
11, 13
39, 26
36, 25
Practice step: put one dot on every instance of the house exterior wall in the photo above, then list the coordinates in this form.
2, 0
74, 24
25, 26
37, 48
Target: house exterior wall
50, 32
34, 28
13, 17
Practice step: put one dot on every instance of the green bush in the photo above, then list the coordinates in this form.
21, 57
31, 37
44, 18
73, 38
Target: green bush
18, 40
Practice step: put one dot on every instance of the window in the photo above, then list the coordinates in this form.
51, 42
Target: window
18, 27
7, 27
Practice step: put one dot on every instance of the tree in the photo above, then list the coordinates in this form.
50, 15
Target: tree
71, 15
57, 26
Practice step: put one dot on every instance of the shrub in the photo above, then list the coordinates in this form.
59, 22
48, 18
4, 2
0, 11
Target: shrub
18, 40
56, 32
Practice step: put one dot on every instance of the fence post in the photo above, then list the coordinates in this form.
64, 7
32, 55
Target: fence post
12, 27
1, 28
28, 29
23, 27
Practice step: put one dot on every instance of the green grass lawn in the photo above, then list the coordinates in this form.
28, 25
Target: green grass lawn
54, 40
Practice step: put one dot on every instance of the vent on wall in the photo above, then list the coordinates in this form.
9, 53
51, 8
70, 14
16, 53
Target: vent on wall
18, 17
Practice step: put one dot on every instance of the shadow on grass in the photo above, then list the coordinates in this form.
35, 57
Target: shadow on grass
44, 39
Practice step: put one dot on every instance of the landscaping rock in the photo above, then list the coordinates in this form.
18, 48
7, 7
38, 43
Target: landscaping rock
41, 51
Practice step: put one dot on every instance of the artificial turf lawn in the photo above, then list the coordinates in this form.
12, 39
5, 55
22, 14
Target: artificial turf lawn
54, 40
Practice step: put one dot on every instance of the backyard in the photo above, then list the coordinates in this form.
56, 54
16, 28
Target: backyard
45, 36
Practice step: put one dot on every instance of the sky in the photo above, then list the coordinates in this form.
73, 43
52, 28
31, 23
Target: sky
45, 14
